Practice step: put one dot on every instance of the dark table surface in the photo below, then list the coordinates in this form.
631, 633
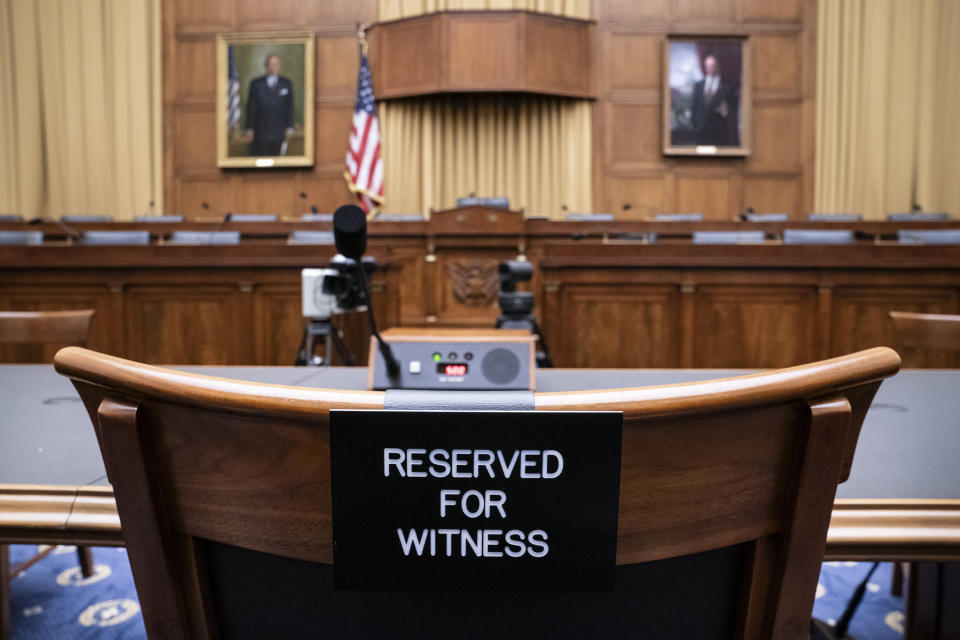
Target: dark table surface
909, 446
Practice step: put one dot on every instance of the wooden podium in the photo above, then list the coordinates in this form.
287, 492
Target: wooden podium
483, 51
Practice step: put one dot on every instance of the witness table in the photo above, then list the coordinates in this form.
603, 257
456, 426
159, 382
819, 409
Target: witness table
902, 501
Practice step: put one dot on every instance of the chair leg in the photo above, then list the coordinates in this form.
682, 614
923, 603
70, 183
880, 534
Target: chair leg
85, 555
896, 580
4, 592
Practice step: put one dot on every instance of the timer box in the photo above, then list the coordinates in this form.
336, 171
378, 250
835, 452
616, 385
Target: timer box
466, 359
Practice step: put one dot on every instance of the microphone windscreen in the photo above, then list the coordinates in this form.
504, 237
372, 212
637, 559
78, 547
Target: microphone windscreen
350, 231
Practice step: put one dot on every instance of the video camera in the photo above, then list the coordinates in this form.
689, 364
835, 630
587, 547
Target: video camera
334, 289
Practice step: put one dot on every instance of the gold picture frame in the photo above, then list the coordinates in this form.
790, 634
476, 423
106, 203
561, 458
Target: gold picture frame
701, 119
265, 100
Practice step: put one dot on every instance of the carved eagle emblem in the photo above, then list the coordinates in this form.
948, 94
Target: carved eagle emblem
475, 283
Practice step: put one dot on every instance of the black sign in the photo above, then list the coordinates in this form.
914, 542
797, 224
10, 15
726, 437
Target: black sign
449, 501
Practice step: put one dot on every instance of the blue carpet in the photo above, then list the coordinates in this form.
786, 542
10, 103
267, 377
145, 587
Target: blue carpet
52, 601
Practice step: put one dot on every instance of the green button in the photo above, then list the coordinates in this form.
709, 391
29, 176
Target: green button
437, 357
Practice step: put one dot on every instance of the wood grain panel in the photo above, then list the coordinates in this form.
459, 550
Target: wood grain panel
276, 191
196, 140
753, 326
709, 196
336, 68
776, 64
621, 51
189, 70
198, 64
767, 11
618, 326
326, 193
631, 137
346, 13
629, 10
192, 15
777, 135
773, 195
411, 42
204, 319
712, 10
646, 196
860, 316
282, 14
558, 55
279, 322
489, 62
218, 193
630, 67
333, 123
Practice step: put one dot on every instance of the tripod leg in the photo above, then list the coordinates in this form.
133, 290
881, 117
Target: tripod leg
546, 361
341, 346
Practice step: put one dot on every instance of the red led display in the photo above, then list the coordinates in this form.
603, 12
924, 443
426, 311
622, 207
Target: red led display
453, 370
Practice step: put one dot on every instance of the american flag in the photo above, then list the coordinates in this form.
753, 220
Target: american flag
233, 92
364, 172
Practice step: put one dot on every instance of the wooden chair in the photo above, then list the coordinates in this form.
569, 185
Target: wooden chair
56, 328
935, 333
727, 486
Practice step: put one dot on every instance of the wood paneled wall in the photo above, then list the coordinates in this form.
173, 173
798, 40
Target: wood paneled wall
629, 166
191, 176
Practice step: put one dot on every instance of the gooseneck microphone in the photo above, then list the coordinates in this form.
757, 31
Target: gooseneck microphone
350, 237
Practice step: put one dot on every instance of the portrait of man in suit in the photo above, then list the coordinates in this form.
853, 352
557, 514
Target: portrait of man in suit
263, 102
706, 85
269, 110
713, 105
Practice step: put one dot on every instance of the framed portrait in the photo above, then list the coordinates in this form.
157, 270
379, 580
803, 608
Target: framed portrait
706, 107
265, 100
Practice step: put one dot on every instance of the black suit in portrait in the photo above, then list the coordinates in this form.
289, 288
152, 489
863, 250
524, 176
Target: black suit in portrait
269, 114
711, 126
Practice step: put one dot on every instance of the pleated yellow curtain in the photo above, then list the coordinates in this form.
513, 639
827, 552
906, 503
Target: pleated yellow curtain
888, 95
393, 9
80, 107
535, 150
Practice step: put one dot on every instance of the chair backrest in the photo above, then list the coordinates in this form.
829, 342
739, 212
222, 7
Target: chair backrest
163, 218
678, 217
928, 236
835, 217
590, 217
498, 202
918, 216
317, 217
253, 217
727, 486
935, 333
728, 237
114, 238
21, 237
311, 237
85, 217
767, 217
34, 336
818, 236
204, 237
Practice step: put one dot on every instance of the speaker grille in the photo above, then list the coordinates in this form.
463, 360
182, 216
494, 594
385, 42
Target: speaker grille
500, 366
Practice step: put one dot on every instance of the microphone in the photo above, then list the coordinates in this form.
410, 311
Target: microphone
226, 218
350, 237
72, 233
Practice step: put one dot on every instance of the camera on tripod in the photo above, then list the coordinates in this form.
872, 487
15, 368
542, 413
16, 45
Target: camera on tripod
325, 293
516, 307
